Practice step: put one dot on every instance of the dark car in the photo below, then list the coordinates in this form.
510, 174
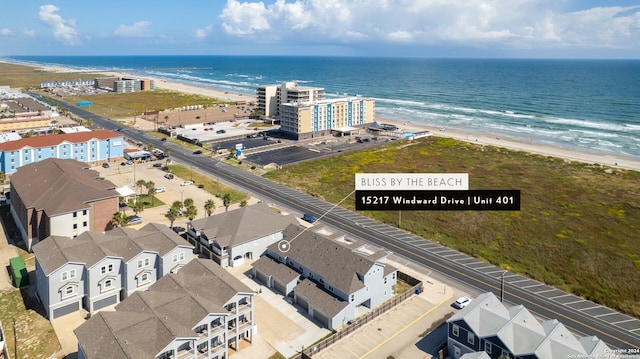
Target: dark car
157, 165
198, 152
221, 131
178, 229
105, 165
163, 139
309, 218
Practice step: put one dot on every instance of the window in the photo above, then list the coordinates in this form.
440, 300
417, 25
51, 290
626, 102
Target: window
84, 212
174, 258
471, 338
505, 354
455, 330
144, 278
69, 291
75, 214
69, 274
106, 269
139, 263
72, 274
487, 347
181, 256
84, 224
108, 283
75, 226
147, 261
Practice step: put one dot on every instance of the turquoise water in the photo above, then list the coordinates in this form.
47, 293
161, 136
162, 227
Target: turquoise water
584, 105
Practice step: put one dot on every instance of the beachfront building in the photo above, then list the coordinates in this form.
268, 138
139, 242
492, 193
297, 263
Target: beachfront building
89, 147
330, 277
232, 237
96, 270
120, 84
272, 97
60, 197
304, 120
486, 325
200, 312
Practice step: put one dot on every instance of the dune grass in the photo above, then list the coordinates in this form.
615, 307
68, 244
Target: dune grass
577, 229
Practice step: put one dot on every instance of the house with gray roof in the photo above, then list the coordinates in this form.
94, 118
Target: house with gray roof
330, 277
60, 197
200, 312
244, 233
486, 325
97, 270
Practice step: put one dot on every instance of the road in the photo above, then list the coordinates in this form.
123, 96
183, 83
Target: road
579, 315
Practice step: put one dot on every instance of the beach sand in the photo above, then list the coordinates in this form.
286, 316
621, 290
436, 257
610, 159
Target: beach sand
472, 137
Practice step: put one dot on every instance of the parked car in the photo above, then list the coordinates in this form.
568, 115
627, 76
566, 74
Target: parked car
221, 131
178, 229
161, 189
157, 165
168, 176
186, 183
309, 217
134, 220
105, 165
461, 302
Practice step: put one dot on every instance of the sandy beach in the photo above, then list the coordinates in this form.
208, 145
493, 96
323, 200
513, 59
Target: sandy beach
473, 137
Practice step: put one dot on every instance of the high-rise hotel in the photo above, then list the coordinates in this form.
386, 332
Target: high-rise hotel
304, 114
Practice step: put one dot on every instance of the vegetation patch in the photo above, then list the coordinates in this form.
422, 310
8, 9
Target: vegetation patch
210, 185
575, 229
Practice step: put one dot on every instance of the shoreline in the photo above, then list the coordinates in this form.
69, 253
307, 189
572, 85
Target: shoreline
609, 160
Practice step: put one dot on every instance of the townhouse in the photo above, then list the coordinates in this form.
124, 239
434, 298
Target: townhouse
200, 312
232, 237
332, 279
486, 325
96, 270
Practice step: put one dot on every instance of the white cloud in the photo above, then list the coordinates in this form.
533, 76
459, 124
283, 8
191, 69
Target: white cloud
504, 23
5, 32
29, 32
203, 33
63, 30
138, 29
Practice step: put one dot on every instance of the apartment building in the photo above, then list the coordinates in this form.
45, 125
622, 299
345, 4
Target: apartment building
60, 197
97, 270
330, 277
200, 312
89, 147
272, 97
304, 120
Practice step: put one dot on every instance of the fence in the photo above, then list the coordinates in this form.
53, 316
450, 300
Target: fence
362, 321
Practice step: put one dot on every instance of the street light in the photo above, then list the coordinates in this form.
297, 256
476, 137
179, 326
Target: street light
502, 286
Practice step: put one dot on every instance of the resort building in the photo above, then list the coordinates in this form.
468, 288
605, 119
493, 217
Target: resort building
119, 84
332, 279
232, 237
60, 197
89, 147
200, 312
486, 325
97, 270
21, 114
304, 120
272, 97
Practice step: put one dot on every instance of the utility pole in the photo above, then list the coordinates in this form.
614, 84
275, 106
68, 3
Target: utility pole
502, 286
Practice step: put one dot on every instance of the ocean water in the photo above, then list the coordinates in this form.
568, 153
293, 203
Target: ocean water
584, 105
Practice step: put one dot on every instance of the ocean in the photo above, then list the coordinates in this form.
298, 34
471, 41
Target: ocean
589, 106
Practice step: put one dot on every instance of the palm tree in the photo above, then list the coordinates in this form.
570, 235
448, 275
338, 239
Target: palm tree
209, 206
188, 202
226, 201
172, 215
167, 152
138, 207
119, 219
151, 190
192, 212
150, 147
177, 205
141, 183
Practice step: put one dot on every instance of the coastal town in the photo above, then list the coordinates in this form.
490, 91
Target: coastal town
156, 236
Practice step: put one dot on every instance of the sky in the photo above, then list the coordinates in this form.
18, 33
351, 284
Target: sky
404, 28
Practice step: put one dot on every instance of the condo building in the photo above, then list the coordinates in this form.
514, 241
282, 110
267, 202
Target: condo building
304, 120
272, 97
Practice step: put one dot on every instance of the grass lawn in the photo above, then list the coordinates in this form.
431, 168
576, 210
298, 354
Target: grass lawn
577, 229
146, 200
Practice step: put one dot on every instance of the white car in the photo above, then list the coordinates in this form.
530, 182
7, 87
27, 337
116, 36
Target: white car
161, 189
186, 183
461, 302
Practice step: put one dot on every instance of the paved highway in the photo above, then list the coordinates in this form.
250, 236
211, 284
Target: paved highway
579, 315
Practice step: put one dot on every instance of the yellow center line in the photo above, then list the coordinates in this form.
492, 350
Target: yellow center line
406, 327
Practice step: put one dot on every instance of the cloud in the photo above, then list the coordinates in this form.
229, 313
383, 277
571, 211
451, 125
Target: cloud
203, 33
504, 23
5, 32
29, 32
138, 29
63, 30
